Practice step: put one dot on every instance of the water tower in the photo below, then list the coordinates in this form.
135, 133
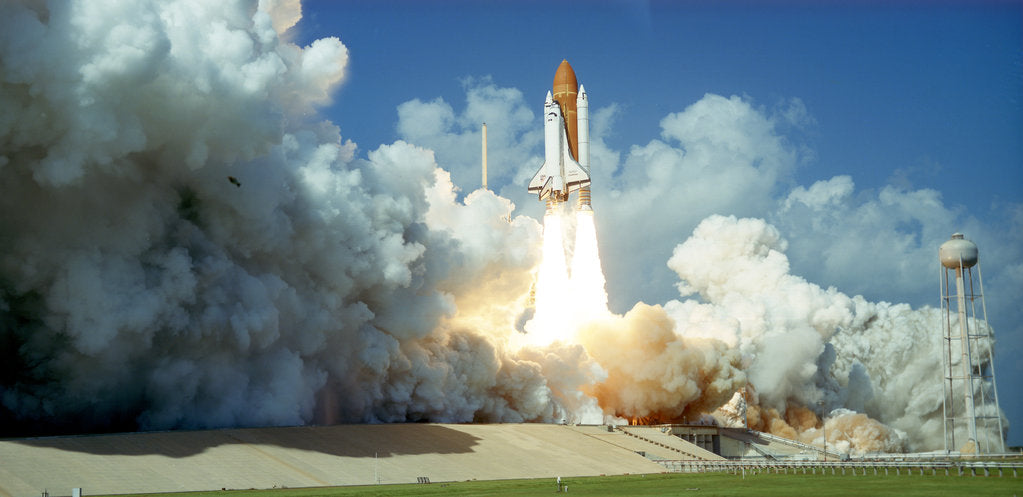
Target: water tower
972, 419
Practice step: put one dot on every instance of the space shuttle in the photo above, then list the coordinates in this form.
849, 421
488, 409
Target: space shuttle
566, 143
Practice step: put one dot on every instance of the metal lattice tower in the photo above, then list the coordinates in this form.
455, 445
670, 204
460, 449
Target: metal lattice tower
972, 418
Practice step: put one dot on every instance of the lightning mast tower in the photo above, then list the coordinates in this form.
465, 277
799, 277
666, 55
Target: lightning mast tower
484, 156
967, 354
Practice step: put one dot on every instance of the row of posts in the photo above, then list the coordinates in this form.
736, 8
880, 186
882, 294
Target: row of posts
75, 492
856, 469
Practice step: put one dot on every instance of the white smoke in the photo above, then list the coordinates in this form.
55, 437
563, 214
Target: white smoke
184, 248
808, 345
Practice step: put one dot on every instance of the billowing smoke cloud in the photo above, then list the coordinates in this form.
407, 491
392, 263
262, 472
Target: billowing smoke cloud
184, 249
809, 346
655, 375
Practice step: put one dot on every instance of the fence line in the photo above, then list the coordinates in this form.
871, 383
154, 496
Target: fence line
956, 468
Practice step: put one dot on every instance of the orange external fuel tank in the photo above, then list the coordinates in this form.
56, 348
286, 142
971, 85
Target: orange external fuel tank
565, 90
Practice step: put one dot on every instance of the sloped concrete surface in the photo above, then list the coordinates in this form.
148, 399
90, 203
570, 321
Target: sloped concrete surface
683, 449
311, 456
630, 443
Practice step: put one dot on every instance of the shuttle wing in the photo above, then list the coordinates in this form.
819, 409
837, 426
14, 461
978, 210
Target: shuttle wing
547, 189
541, 178
575, 175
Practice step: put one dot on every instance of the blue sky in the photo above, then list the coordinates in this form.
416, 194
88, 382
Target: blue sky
918, 103
929, 88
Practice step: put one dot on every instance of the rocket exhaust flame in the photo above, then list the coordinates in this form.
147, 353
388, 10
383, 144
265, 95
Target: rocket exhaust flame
587, 282
551, 321
566, 300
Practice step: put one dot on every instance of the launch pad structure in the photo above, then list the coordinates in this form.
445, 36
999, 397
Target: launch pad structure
340, 455
313, 456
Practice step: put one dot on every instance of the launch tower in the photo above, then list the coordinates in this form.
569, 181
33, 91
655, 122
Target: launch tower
972, 419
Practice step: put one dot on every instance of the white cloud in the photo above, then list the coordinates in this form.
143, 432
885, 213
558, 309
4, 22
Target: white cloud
722, 156
457, 139
821, 193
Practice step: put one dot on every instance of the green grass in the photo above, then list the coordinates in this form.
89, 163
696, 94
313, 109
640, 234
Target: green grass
705, 484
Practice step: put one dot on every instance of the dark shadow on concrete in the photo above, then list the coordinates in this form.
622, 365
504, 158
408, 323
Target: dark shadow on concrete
382, 440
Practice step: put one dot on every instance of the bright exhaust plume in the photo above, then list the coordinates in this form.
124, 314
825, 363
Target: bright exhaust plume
587, 282
553, 320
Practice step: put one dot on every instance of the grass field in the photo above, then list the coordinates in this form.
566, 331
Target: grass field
703, 484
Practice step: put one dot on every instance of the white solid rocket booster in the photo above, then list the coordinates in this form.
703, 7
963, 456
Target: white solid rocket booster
582, 108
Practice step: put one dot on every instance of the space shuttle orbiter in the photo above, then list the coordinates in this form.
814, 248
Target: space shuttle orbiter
560, 174
564, 124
